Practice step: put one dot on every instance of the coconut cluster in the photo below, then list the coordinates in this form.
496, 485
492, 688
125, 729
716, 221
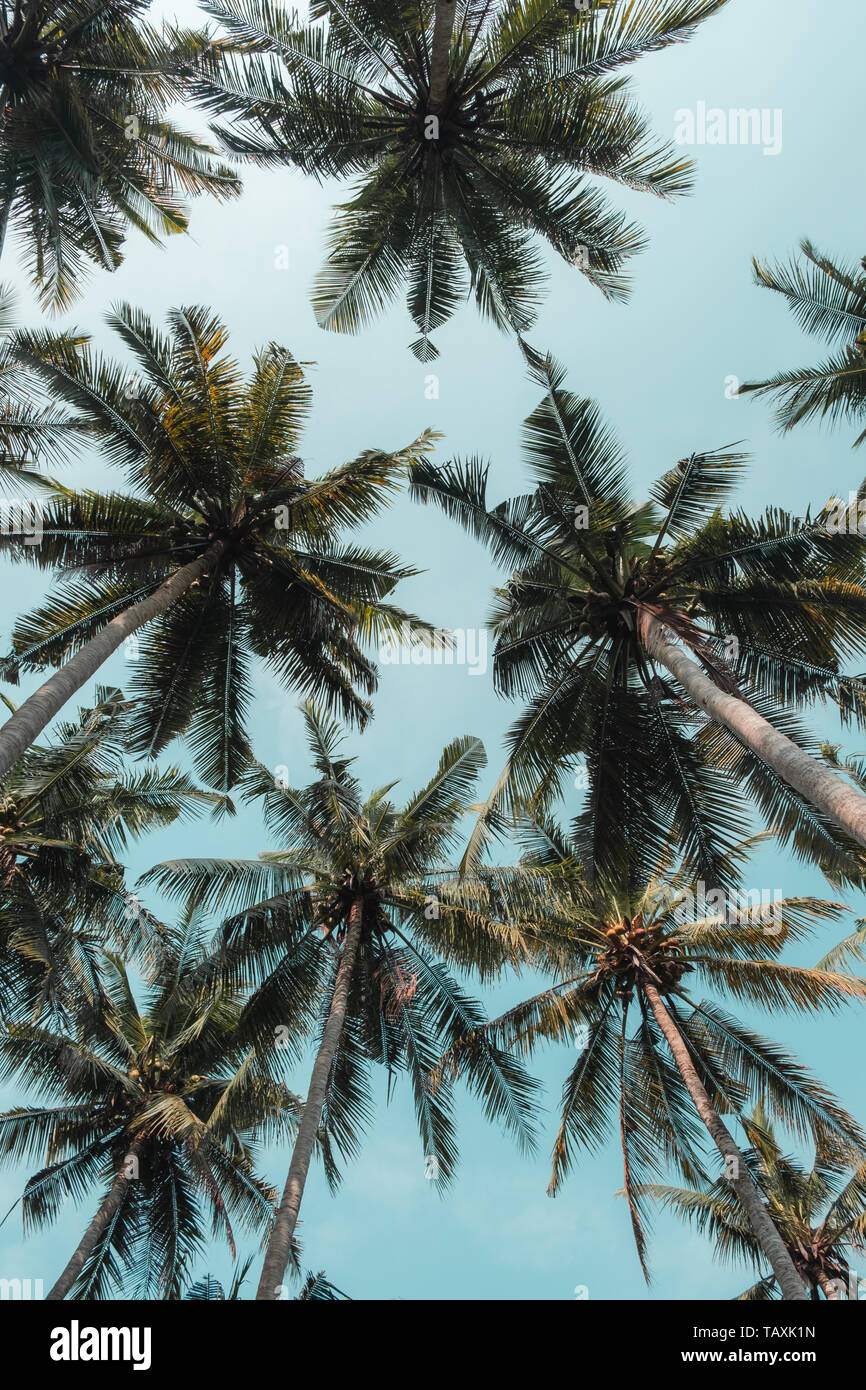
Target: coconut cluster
634, 952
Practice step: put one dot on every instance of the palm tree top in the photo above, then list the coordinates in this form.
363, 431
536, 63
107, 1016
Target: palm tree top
772, 607
617, 941
434, 111
167, 1083
820, 1213
287, 915
211, 456
68, 809
86, 150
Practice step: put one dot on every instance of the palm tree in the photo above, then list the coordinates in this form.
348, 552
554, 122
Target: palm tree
685, 1063
829, 301
434, 111
67, 810
665, 643
164, 1109
821, 1215
222, 548
332, 930
86, 149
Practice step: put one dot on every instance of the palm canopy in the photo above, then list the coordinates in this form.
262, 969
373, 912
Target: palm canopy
821, 1214
772, 606
827, 300
289, 914
625, 940
211, 458
30, 435
451, 190
86, 149
168, 1083
67, 810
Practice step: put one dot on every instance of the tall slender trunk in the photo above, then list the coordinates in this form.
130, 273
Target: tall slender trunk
767, 1236
280, 1243
440, 53
820, 786
39, 709
105, 1214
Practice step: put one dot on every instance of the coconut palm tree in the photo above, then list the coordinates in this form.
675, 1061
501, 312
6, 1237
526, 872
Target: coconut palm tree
435, 112
67, 810
820, 1215
86, 149
665, 644
339, 931
162, 1108
829, 301
652, 1059
223, 548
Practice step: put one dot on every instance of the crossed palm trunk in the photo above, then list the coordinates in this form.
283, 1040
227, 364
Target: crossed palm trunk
766, 1233
105, 1214
280, 1243
37, 711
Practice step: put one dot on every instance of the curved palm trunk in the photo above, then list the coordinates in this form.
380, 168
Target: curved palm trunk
95, 1231
280, 1243
39, 709
820, 786
765, 1232
440, 52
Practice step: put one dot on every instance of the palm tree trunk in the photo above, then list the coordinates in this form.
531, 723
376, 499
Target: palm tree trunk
95, 1231
280, 1243
440, 52
820, 786
767, 1236
39, 709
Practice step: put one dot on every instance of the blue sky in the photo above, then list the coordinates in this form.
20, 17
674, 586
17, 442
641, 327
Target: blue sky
660, 368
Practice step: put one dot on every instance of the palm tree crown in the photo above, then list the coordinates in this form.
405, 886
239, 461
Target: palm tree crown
435, 110
770, 607
221, 510
631, 958
291, 913
821, 1215
167, 1106
67, 809
86, 150
339, 942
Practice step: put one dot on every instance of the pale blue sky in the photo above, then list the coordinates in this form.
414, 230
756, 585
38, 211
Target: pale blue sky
659, 368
